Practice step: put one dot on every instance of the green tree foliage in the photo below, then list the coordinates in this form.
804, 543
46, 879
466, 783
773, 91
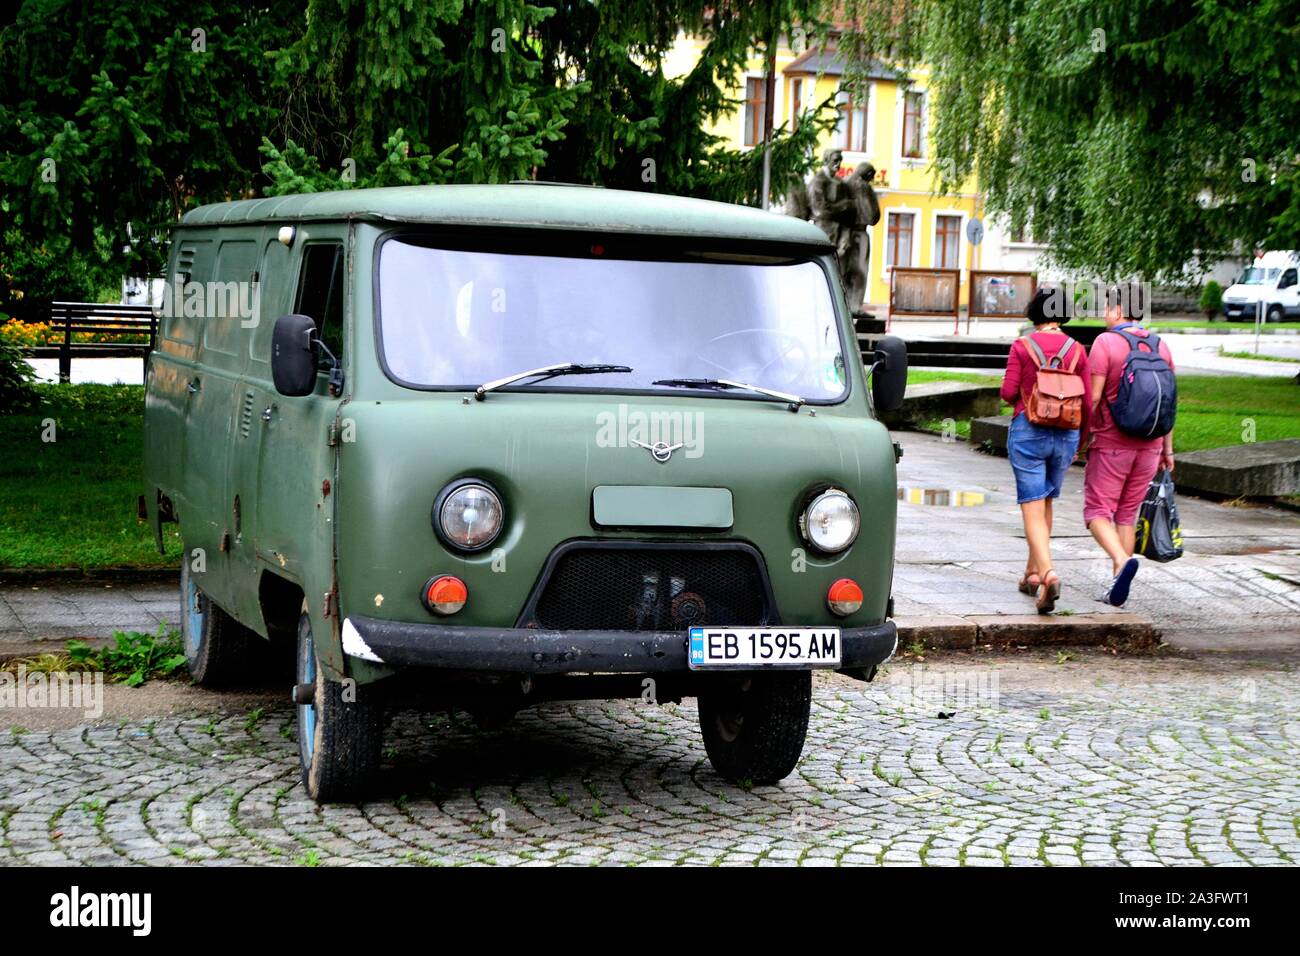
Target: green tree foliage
1132, 136
118, 113
124, 114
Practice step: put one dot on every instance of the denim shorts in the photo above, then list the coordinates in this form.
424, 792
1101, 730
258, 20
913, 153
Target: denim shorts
1039, 458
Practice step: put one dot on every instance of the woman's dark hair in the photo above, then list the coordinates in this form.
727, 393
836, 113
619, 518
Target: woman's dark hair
1048, 305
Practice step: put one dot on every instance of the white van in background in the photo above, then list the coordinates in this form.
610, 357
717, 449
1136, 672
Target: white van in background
1274, 279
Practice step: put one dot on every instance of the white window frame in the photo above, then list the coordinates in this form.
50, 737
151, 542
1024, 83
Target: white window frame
744, 96
853, 157
884, 239
900, 111
961, 236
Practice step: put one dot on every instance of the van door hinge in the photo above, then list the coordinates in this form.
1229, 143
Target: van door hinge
333, 439
898, 452
328, 604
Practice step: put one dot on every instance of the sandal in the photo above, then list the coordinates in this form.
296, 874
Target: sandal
1048, 592
1027, 586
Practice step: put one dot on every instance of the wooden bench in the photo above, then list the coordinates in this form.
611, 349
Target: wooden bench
112, 321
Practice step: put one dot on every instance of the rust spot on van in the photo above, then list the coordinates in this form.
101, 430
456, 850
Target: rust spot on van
325, 488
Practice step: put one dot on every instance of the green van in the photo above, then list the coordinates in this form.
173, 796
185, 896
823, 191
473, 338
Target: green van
481, 447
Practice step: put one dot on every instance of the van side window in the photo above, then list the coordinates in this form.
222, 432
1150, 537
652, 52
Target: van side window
1288, 279
320, 292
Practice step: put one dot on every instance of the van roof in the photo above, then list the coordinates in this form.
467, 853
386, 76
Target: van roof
520, 205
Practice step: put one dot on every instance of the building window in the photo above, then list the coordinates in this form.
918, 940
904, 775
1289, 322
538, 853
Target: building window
898, 239
851, 128
913, 125
755, 108
947, 242
796, 100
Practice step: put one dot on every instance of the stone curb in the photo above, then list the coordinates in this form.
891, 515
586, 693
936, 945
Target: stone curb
941, 631
88, 575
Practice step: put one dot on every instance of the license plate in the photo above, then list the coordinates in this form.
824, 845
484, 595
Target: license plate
716, 647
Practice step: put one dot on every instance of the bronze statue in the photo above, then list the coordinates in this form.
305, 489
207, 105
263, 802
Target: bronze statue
855, 258
844, 209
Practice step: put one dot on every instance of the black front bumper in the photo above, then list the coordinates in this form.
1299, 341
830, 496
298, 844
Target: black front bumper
535, 651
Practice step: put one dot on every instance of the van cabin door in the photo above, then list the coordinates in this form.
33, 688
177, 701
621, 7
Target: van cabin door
284, 453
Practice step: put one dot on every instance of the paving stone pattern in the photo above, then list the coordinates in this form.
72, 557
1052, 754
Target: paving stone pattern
1133, 763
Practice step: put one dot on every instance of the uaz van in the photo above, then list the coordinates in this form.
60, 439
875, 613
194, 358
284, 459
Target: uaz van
490, 446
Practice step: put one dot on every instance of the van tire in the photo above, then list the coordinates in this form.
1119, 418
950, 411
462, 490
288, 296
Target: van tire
339, 741
219, 651
754, 728
1275, 314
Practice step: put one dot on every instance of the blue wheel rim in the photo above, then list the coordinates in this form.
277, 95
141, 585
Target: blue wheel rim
307, 712
193, 619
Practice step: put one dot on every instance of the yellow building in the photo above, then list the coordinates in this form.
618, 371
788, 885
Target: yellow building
889, 129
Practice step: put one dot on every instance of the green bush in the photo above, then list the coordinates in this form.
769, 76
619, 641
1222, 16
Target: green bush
133, 657
1211, 299
16, 380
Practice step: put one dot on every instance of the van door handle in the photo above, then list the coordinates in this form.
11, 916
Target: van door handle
266, 414
193, 386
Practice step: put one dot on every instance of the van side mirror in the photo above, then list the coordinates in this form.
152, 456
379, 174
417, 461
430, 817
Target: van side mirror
294, 347
889, 374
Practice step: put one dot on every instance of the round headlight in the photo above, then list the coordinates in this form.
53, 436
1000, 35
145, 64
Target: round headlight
830, 522
468, 515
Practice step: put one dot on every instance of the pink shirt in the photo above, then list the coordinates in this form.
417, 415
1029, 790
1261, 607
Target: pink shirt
1022, 370
1107, 358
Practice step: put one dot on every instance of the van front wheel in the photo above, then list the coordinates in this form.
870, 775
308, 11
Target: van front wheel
340, 733
218, 649
754, 727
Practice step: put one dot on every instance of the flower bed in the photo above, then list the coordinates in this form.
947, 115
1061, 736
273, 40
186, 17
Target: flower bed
30, 335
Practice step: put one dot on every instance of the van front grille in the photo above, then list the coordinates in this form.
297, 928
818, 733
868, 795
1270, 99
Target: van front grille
640, 586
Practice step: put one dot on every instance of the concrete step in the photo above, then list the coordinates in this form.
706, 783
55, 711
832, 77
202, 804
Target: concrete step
1121, 630
1258, 470
990, 432
956, 400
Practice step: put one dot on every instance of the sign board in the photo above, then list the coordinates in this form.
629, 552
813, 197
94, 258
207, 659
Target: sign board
974, 231
1000, 294
924, 292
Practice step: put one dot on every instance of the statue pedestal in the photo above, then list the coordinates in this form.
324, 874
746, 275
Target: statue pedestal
864, 323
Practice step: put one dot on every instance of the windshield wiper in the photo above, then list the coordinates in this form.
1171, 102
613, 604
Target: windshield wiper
548, 371
722, 383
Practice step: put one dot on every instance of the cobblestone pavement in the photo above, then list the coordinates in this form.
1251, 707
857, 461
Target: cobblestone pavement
1094, 761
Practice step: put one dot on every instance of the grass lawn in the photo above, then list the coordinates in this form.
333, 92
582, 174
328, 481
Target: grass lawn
1213, 411
1173, 325
72, 502
1257, 358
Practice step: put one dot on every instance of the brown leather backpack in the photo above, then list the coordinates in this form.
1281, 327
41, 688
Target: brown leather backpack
1056, 400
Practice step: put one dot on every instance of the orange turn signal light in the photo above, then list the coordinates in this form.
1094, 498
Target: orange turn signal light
445, 594
844, 597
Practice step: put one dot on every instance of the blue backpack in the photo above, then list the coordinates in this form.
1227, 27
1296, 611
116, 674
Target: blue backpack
1148, 392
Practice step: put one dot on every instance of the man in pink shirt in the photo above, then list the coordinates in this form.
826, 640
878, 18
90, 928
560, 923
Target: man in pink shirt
1120, 465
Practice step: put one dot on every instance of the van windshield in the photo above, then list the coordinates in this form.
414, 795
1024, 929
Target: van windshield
454, 319
1257, 276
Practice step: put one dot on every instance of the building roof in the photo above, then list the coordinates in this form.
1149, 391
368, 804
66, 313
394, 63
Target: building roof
521, 205
832, 63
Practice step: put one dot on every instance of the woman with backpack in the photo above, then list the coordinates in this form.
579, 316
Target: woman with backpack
1047, 378
1133, 396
